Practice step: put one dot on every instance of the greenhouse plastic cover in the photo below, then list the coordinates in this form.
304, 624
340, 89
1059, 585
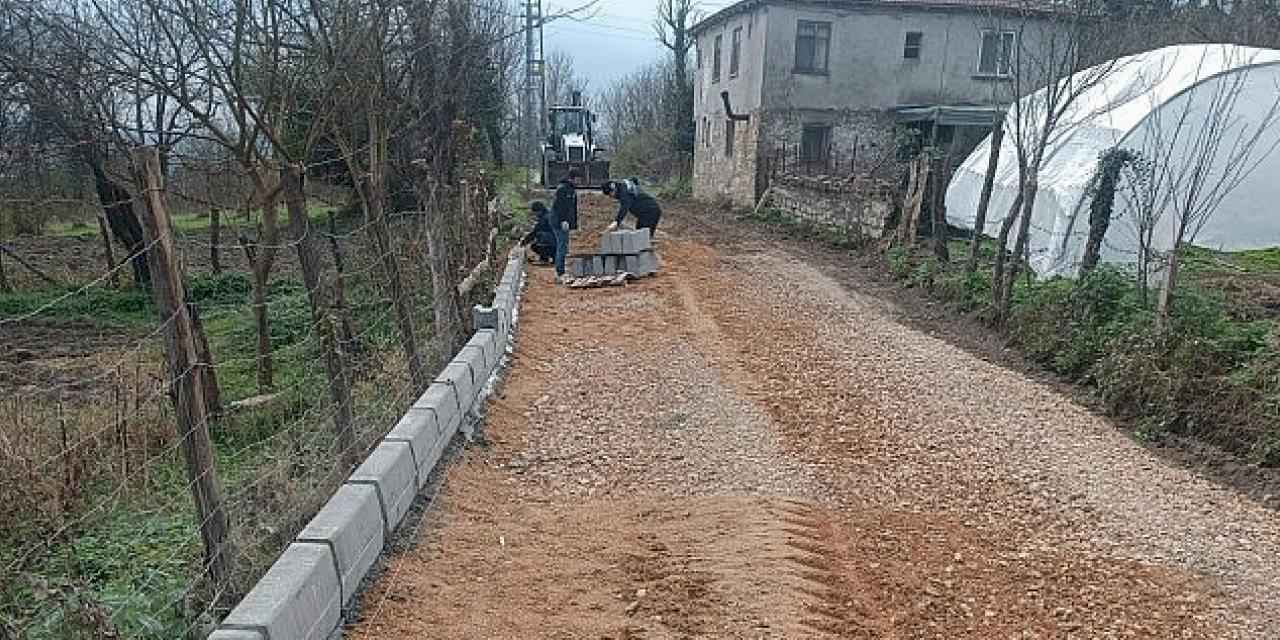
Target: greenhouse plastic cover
1138, 104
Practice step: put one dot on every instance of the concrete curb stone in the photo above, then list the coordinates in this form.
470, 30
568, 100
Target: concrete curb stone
390, 469
351, 525
297, 599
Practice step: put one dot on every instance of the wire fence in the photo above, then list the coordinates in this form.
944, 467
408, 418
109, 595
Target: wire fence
103, 532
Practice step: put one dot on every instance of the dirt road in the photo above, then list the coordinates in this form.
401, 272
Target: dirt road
743, 448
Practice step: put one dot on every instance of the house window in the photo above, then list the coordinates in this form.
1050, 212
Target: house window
815, 143
995, 58
730, 128
698, 52
813, 43
911, 47
715, 60
735, 53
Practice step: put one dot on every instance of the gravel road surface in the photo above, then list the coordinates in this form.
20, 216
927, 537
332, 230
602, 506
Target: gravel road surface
743, 448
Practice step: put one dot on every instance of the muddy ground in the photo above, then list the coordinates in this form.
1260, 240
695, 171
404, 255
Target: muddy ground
760, 443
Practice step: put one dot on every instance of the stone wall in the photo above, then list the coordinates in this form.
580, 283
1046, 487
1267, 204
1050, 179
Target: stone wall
863, 142
860, 207
717, 176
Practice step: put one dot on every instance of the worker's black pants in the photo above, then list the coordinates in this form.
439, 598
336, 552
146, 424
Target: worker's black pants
651, 225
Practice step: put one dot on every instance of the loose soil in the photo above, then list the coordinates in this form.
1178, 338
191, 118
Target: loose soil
745, 447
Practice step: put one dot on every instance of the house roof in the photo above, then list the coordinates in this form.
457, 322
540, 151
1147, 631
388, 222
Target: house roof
1029, 6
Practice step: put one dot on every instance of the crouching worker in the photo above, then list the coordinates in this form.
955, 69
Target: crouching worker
543, 237
632, 199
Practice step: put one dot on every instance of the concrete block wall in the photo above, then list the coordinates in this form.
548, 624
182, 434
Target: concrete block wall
303, 595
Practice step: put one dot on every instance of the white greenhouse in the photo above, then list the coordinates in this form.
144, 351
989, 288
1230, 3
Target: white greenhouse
1206, 121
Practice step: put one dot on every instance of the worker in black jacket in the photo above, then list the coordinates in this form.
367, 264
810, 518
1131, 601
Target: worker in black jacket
632, 199
564, 217
543, 237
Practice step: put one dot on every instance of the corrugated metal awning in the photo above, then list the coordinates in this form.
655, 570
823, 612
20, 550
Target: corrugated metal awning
949, 115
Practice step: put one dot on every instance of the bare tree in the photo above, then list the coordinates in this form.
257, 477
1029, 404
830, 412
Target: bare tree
1198, 149
635, 111
562, 78
1035, 122
674, 26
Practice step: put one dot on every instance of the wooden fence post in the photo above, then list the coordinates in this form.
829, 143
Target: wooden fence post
169, 291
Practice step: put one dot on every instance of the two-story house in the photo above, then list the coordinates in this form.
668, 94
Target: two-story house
810, 76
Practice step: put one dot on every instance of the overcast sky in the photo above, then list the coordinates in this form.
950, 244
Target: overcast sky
615, 39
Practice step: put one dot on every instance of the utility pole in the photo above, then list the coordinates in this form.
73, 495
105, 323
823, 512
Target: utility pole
534, 85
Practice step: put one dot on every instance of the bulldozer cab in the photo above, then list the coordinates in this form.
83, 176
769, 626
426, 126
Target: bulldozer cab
567, 121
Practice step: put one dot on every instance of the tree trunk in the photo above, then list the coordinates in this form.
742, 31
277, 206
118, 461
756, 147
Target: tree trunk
322, 316
376, 214
984, 200
348, 336
108, 253
261, 257
1101, 206
5, 287
445, 300
1098, 226
117, 207
215, 238
1165, 304
938, 206
209, 373
1020, 247
1002, 253
262, 320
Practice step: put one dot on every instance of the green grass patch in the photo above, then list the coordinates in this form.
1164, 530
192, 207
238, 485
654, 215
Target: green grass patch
187, 221
99, 305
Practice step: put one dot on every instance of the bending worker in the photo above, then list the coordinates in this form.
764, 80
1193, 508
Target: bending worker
632, 199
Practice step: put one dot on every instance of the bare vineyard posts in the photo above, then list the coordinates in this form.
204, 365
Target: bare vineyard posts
169, 291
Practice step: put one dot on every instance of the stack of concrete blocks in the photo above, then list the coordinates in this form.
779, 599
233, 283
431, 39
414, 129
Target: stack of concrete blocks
623, 251
303, 595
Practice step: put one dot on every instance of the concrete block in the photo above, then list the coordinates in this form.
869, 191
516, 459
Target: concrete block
487, 341
631, 264
633, 242
612, 242
236, 634
597, 265
420, 429
505, 300
484, 317
297, 599
458, 375
351, 525
442, 400
610, 265
390, 470
649, 262
474, 358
